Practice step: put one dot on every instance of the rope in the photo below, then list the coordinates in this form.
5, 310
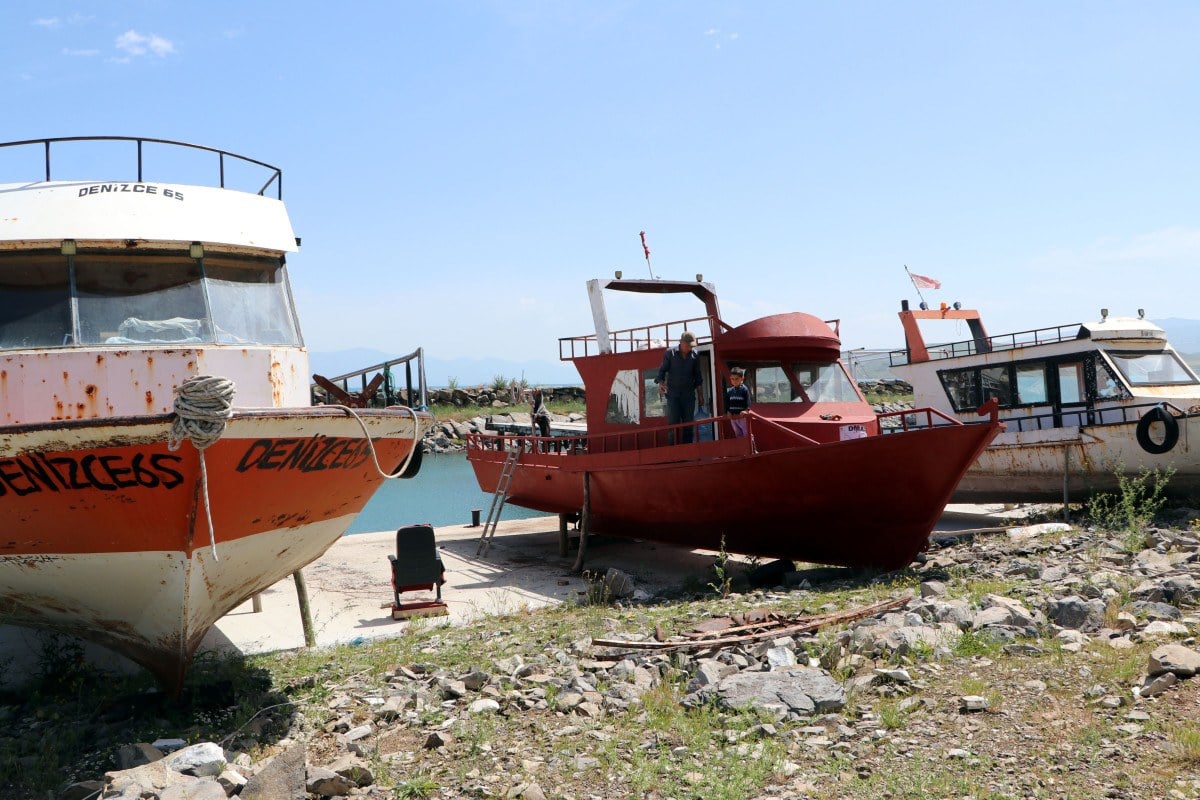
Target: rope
416, 441
203, 405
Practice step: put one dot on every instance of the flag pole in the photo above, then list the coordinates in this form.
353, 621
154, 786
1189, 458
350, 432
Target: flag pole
914, 283
646, 250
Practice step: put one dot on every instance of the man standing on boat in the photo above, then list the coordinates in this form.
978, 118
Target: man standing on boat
679, 379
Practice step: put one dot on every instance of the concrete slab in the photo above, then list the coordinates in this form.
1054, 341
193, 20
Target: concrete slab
350, 591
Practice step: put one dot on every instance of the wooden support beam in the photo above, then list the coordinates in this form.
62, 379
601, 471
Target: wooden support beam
585, 523
310, 638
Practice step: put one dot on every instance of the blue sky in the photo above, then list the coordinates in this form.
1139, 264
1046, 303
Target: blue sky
458, 170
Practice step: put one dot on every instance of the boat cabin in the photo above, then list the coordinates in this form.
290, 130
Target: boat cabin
112, 293
791, 361
1057, 377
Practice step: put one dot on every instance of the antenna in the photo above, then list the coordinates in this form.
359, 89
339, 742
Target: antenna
646, 250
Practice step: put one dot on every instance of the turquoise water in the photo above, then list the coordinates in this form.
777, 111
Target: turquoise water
443, 493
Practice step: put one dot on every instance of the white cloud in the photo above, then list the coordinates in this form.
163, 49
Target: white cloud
138, 44
80, 53
712, 31
47, 22
734, 36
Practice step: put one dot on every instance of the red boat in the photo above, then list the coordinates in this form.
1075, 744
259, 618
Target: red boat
821, 477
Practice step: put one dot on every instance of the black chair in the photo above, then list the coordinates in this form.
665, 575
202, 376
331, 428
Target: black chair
416, 565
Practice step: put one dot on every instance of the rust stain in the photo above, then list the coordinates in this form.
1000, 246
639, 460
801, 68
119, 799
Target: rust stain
149, 399
99, 358
90, 389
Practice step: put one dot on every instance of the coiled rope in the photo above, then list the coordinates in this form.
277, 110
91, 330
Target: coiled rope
203, 406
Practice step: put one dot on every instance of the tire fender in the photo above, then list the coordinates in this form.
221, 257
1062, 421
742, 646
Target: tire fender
1170, 431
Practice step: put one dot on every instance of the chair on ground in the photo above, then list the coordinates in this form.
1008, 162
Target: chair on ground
416, 566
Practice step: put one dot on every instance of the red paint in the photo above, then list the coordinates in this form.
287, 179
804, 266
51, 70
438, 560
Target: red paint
800, 492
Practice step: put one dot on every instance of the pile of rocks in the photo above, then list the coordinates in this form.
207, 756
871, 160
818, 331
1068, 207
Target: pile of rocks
1051, 591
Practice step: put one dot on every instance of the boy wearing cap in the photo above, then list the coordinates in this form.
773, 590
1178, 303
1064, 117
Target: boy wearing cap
679, 379
737, 401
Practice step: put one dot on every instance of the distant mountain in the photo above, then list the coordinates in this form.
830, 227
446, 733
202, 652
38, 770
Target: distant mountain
1183, 334
439, 371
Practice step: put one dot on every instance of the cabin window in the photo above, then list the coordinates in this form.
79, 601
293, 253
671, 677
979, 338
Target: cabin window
655, 405
1107, 385
769, 384
250, 302
1152, 369
996, 382
825, 383
623, 398
962, 386
35, 301
140, 300
1031, 385
1070, 383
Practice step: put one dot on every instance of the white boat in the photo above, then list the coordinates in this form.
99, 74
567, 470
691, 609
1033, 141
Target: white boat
1081, 403
115, 296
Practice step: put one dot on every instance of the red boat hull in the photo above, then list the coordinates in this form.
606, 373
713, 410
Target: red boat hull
868, 502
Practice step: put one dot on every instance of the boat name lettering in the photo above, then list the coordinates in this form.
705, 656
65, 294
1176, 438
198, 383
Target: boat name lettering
306, 455
38, 472
135, 188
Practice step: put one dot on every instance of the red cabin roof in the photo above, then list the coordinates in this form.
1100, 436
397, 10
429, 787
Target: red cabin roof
798, 334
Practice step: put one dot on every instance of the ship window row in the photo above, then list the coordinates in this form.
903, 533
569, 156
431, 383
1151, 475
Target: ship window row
634, 395
1075, 380
51, 300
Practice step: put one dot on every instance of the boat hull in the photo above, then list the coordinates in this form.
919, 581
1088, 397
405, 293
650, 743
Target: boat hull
1076, 462
868, 502
106, 530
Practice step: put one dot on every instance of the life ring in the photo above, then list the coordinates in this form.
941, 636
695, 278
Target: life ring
1170, 431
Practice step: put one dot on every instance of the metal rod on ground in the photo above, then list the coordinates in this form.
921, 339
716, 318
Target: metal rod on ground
584, 522
256, 603
562, 535
310, 638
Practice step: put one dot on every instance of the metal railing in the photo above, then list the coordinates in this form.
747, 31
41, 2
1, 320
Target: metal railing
1000, 342
1067, 418
704, 432
391, 392
660, 334
275, 174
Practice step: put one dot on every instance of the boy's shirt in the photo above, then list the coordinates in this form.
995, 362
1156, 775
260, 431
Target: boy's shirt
737, 399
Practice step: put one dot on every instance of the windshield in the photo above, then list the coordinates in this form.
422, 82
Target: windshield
143, 298
825, 383
1152, 369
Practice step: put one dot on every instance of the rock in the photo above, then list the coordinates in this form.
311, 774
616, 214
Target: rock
327, 783
359, 732
153, 778
779, 657
199, 790
231, 781
972, 702
932, 588
1156, 611
1158, 684
798, 691
1076, 613
169, 745
204, 760
282, 778
476, 679
135, 755
1161, 628
531, 791
437, 739
484, 706
895, 675
353, 770
617, 584
1174, 658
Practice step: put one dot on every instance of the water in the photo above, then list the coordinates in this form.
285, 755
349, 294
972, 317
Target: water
443, 493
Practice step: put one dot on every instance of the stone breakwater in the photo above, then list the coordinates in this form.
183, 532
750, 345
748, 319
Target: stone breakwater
449, 436
1009, 641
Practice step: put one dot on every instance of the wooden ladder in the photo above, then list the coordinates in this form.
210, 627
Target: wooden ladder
499, 498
